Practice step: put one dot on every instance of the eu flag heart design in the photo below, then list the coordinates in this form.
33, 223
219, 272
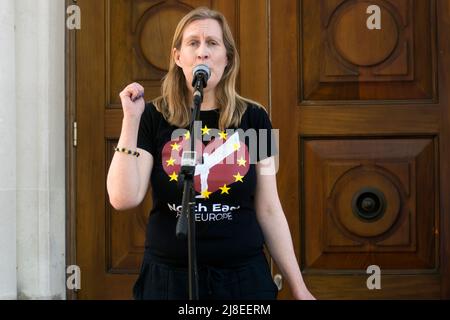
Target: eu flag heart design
222, 162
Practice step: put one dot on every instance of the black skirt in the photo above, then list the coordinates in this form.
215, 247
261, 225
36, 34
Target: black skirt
249, 281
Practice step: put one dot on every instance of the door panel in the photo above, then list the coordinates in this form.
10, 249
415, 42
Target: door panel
342, 59
362, 207
361, 126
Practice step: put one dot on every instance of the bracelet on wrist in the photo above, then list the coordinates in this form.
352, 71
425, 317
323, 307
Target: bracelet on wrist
127, 151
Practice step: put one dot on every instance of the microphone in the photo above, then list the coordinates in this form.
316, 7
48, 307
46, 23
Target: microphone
201, 73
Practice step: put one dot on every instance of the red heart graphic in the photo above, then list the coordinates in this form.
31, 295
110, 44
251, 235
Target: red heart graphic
230, 169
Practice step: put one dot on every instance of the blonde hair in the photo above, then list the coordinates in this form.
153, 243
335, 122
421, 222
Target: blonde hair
175, 101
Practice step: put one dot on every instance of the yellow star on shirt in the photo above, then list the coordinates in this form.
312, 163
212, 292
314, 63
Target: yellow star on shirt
223, 135
236, 146
224, 189
170, 162
238, 177
173, 176
187, 135
175, 146
242, 162
205, 130
205, 194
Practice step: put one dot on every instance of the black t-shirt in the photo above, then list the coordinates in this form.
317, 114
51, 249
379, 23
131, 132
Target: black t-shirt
225, 180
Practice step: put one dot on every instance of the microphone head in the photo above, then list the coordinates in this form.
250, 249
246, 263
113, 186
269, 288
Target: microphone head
203, 70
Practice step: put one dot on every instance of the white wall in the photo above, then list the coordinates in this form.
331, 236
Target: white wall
36, 121
8, 287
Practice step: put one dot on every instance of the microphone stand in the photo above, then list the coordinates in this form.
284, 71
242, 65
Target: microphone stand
186, 221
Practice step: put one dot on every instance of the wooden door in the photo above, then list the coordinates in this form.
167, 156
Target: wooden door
364, 133
123, 41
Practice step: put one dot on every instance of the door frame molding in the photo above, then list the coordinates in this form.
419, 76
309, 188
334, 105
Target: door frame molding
443, 42
70, 149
